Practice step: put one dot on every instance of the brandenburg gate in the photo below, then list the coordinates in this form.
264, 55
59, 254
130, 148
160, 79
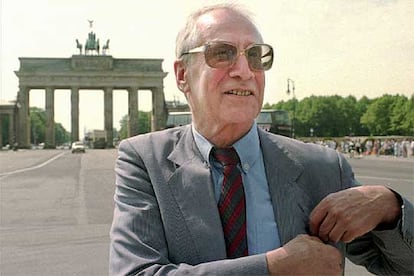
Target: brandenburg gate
89, 72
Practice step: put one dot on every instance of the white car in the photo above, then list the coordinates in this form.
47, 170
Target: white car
78, 146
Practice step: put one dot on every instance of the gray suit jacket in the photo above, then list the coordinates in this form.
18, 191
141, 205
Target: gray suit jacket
166, 219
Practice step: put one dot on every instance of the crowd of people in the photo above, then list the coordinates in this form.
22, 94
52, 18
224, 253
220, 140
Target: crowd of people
397, 147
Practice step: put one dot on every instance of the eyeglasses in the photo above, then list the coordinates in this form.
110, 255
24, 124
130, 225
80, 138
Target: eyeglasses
223, 54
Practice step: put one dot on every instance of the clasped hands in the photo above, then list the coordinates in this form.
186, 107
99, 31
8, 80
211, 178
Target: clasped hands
341, 216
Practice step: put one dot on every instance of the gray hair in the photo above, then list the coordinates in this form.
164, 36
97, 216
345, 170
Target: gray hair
189, 36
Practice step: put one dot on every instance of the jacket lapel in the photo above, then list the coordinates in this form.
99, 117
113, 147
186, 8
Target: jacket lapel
192, 187
290, 201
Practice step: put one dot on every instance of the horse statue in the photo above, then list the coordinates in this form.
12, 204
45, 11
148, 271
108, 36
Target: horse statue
79, 46
92, 44
105, 47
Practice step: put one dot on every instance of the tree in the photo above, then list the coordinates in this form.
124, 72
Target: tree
322, 114
376, 118
408, 122
336, 116
401, 117
123, 131
37, 125
361, 108
61, 135
144, 124
5, 123
38, 128
348, 118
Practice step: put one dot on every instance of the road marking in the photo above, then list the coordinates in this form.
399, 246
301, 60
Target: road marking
3, 175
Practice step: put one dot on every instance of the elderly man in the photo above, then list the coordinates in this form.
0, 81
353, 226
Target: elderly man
222, 197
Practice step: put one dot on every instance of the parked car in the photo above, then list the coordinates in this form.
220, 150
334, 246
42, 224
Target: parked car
78, 146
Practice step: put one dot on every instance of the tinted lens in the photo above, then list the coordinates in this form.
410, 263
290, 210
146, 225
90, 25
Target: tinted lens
220, 55
260, 57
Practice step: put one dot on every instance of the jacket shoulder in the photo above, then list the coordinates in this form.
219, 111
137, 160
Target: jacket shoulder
166, 138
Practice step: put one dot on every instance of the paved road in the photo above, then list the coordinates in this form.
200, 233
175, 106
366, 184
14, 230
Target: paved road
55, 218
56, 208
397, 173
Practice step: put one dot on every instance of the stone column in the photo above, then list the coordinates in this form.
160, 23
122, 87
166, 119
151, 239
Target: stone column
50, 142
74, 98
132, 111
23, 118
108, 117
11, 128
159, 110
1, 133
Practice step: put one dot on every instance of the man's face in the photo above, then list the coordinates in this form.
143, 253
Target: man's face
224, 96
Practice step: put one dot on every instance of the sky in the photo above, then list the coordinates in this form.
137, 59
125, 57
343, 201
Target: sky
335, 47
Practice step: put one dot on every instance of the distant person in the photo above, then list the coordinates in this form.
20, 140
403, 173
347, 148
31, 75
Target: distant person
412, 147
358, 147
368, 146
404, 148
223, 197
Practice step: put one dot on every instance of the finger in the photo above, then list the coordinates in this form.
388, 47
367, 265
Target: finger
317, 215
337, 232
347, 237
326, 227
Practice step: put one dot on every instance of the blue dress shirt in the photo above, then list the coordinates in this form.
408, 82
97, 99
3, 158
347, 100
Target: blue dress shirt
262, 232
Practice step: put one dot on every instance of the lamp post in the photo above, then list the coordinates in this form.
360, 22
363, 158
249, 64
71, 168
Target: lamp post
290, 81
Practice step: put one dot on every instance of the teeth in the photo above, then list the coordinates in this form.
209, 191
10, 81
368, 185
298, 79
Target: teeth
239, 92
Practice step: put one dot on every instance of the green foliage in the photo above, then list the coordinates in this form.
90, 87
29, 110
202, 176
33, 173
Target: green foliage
144, 124
37, 125
335, 116
61, 135
402, 115
408, 123
38, 128
123, 131
389, 115
5, 123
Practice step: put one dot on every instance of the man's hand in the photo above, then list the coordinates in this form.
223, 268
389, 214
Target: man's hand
305, 255
348, 214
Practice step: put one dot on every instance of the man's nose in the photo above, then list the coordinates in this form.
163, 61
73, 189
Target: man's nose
241, 68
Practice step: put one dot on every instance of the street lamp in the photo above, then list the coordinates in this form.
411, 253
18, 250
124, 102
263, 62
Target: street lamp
290, 81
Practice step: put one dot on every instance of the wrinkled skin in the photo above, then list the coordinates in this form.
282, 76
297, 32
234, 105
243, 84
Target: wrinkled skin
220, 113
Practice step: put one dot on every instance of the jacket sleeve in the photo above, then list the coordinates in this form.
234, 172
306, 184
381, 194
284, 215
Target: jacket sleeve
138, 244
384, 252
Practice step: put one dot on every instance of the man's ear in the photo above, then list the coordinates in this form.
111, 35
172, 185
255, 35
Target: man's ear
180, 75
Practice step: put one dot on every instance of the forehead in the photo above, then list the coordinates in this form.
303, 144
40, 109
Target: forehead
229, 26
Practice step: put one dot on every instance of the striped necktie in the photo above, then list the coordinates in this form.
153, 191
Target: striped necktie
232, 204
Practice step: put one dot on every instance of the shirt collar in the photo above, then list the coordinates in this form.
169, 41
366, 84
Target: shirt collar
248, 147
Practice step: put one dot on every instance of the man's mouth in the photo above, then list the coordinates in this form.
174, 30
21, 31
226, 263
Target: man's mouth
239, 92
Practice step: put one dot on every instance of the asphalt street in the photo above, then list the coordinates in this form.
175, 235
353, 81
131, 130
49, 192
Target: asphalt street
56, 215
56, 208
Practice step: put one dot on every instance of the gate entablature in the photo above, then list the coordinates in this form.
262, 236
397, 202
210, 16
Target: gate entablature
88, 72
